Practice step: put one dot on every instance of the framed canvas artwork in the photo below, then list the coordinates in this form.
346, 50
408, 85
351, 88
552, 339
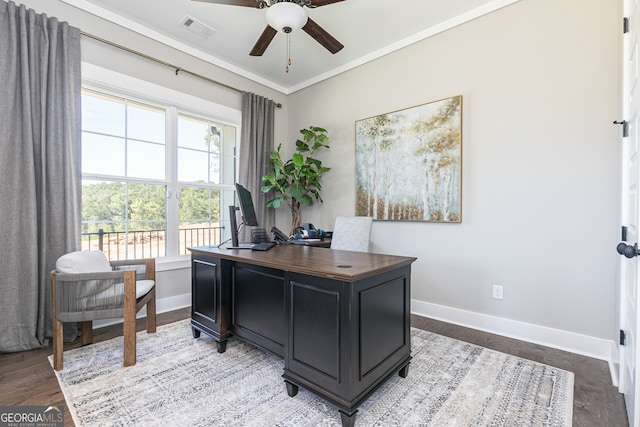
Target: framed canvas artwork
408, 163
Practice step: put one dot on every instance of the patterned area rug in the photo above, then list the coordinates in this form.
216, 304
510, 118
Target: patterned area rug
181, 381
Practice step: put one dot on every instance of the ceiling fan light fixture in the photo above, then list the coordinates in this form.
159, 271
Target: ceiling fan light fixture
286, 17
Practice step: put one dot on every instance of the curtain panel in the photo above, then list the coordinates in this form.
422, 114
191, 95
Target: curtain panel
40, 163
256, 140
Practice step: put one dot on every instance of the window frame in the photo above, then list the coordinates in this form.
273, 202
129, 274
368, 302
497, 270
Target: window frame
174, 103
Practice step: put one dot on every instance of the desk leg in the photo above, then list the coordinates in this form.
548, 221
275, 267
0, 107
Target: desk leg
292, 389
404, 371
348, 420
222, 346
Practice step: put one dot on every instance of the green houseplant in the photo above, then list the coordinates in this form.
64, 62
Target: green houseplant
297, 180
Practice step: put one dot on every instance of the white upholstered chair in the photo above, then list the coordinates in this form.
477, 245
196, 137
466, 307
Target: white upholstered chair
352, 233
86, 286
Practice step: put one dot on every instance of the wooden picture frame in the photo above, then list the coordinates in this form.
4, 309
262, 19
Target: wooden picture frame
409, 163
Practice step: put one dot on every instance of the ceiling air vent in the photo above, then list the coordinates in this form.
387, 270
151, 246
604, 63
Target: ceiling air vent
197, 27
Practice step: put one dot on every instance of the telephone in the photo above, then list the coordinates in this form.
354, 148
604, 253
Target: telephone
279, 236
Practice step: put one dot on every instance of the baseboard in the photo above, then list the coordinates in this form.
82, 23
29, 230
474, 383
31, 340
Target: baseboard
162, 306
563, 340
614, 363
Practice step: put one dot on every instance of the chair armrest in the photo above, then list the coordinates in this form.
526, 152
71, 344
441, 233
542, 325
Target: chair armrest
149, 266
82, 277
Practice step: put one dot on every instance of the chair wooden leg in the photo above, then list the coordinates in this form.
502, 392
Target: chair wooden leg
129, 327
58, 345
86, 332
130, 343
151, 312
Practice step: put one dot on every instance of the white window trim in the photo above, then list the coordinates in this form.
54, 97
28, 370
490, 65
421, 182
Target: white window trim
95, 77
111, 80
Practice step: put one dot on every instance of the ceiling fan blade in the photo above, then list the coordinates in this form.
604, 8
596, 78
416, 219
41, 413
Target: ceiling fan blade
246, 3
322, 37
318, 3
263, 42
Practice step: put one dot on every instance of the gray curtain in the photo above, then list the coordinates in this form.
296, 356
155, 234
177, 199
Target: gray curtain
256, 140
40, 167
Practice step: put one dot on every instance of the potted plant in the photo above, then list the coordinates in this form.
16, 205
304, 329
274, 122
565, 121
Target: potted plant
297, 181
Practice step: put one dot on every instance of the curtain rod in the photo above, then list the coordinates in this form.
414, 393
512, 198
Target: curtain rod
167, 64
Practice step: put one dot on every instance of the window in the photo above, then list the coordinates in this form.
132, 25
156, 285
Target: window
206, 159
155, 177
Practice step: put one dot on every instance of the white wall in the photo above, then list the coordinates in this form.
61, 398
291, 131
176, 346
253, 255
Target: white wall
540, 87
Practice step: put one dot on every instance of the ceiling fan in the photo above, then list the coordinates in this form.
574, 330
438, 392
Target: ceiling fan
287, 16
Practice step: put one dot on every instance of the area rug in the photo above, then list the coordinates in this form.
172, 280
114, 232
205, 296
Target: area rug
182, 381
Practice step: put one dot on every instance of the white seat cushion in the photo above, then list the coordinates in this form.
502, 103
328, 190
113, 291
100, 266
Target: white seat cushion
143, 287
83, 262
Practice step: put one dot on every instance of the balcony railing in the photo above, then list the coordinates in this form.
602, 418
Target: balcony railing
118, 245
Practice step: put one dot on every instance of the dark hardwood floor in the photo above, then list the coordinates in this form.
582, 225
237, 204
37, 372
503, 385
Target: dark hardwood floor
26, 378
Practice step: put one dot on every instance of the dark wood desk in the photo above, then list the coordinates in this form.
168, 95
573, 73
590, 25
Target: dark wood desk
340, 319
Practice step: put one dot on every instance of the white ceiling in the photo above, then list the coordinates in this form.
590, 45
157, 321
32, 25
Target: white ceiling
367, 28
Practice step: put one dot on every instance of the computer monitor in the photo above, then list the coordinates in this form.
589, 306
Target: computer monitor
246, 206
247, 212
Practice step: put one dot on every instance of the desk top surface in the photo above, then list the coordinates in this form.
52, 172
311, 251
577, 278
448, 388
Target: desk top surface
334, 264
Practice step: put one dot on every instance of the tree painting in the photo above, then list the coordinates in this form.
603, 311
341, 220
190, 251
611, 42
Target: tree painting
408, 163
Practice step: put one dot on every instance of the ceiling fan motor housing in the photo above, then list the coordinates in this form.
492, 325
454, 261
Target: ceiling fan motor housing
286, 17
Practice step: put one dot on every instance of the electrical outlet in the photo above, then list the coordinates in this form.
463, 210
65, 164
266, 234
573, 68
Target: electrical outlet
498, 291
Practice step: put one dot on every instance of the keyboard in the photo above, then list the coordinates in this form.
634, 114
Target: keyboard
264, 246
